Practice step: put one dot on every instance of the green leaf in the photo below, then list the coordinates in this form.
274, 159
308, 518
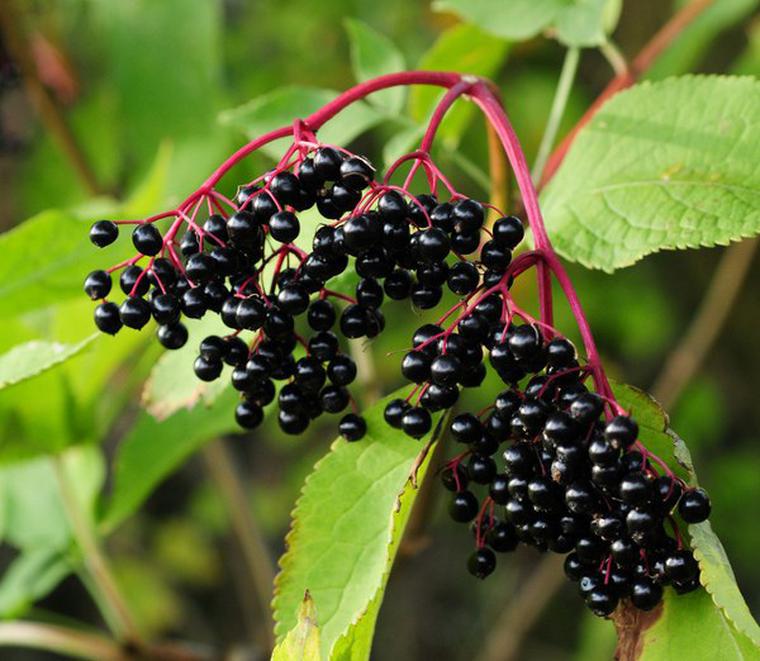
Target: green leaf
584, 23
662, 166
346, 528
462, 48
690, 627
152, 450
515, 20
172, 384
32, 358
576, 22
302, 642
281, 106
372, 55
719, 580
36, 519
31, 576
46, 258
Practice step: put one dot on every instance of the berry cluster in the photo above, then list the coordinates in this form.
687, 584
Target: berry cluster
573, 476
568, 479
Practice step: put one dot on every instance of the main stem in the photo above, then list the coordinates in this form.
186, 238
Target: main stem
97, 566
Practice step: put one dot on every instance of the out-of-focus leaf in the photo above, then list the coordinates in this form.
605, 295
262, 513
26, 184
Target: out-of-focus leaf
152, 450
173, 385
576, 22
36, 519
403, 141
462, 48
302, 642
662, 166
31, 576
693, 43
373, 54
32, 358
351, 513
282, 106
139, 42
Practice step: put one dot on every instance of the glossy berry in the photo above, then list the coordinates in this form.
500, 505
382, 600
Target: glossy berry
97, 285
352, 427
416, 422
645, 594
481, 563
621, 432
134, 312
508, 231
694, 506
103, 233
147, 239
248, 414
394, 412
284, 227
107, 318
172, 336
463, 507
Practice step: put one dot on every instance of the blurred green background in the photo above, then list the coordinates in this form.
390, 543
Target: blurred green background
142, 84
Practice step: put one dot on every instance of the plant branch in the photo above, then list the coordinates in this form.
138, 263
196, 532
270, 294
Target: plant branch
707, 323
18, 43
514, 623
643, 61
108, 594
62, 640
564, 85
260, 567
614, 57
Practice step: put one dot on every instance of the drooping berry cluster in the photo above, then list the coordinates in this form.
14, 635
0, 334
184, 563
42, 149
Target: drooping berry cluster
559, 461
567, 480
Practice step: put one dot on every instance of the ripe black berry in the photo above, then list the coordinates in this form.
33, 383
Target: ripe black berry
416, 422
97, 284
107, 318
694, 506
147, 239
463, 507
481, 563
104, 233
352, 427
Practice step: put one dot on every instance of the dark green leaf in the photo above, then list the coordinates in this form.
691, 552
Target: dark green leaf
152, 450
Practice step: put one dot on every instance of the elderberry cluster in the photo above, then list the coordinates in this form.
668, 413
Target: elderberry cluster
568, 480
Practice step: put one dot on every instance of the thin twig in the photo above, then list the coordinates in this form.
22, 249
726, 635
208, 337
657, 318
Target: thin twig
509, 631
706, 325
614, 57
643, 61
17, 41
230, 487
564, 85
63, 640
96, 563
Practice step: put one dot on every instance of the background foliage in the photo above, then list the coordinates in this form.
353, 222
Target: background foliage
157, 93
